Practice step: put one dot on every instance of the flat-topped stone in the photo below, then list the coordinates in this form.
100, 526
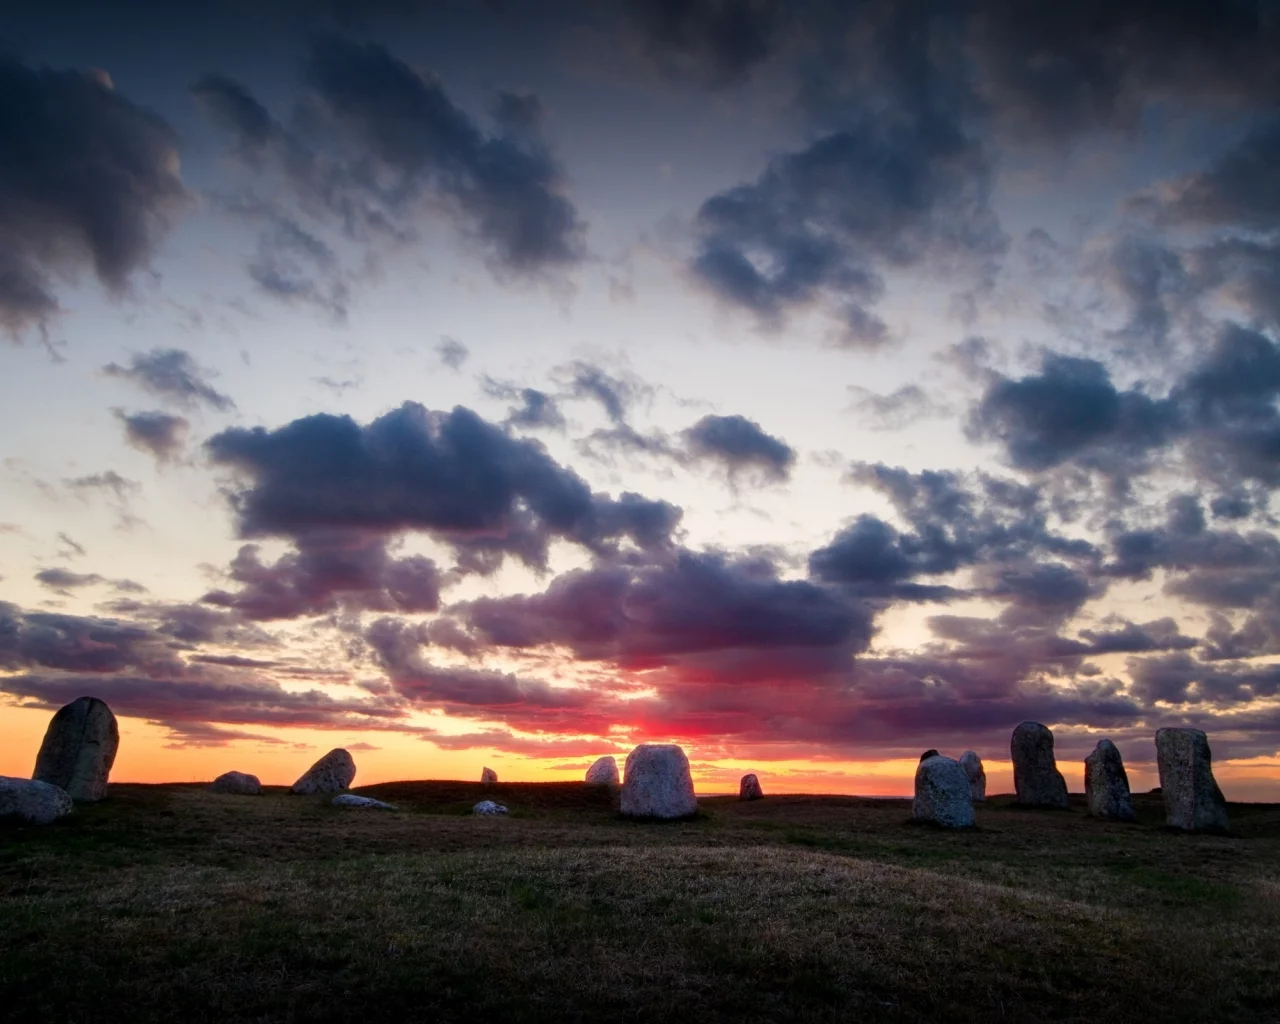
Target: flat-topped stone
942, 793
237, 784
365, 802
32, 801
972, 765
749, 788
1192, 800
657, 783
79, 749
331, 774
604, 772
1106, 784
1036, 778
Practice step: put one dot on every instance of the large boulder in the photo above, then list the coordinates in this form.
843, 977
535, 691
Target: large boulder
657, 783
32, 801
488, 776
749, 788
488, 807
604, 772
973, 770
79, 749
942, 793
1106, 785
236, 783
331, 774
1036, 778
1192, 800
366, 802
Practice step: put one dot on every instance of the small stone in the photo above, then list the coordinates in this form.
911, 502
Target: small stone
1192, 800
32, 801
1036, 778
604, 772
488, 807
488, 776
749, 788
236, 783
972, 765
367, 802
331, 774
942, 793
1106, 784
928, 754
79, 749
657, 783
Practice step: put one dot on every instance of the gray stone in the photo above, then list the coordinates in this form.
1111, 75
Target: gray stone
1106, 785
79, 749
331, 774
1036, 778
749, 788
1192, 800
32, 801
942, 793
657, 783
488, 807
928, 754
973, 770
604, 772
367, 802
236, 783
488, 776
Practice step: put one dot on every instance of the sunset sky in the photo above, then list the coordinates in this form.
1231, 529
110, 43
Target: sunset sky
507, 383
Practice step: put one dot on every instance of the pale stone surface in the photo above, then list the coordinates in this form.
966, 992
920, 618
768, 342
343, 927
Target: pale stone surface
236, 783
749, 788
367, 802
32, 801
488, 776
973, 770
488, 807
79, 749
331, 774
657, 783
1106, 784
1036, 778
942, 793
604, 772
1192, 800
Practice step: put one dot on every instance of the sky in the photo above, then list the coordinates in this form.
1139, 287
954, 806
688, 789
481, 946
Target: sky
509, 383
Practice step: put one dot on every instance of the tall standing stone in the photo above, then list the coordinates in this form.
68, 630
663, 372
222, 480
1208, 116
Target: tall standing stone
79, 749
749, 788
1106, 785
488, 776
942, 793
604, 772
657, 783
331, 774
1192, 800
1036, 778
976, 774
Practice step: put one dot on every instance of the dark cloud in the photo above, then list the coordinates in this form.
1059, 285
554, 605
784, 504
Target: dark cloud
64, 580
738, 444
120, 487
235, 108
160, 434
537, 409
616, 393
718, 39
1237, 190
74, 643
452, 352
907, 405
294, 265
171, 373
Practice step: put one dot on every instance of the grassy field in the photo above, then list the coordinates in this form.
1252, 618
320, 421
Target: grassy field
171, 903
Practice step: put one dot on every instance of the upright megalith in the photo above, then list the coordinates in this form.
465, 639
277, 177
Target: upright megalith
1106, 785
331, 774
488, 776
1192, 800
236, 784
657, 783
79, 749
32, 801
977, 776
942, 793
604, 772
1036, 778
749, 788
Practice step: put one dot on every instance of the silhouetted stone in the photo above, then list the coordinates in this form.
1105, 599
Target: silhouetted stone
1192, 800
331, 774
236, 783
942, 793
79, 749
604, 772
749, 788
32, 801
657, 783
1036, 778
976, 774
1106, 785
928, 754
488, 776
365, 802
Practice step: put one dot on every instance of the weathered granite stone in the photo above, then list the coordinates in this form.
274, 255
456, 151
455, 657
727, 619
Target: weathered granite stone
488, 807
367, 802
1106, 785
1192, 800
928, 754
32, 801
1036, 778
79, 749
236, 783
331, 774
604, 772
488, 776
749, 788
942, 793
657, 783
977, 776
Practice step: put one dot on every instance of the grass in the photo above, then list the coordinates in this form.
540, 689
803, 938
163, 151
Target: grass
168, 902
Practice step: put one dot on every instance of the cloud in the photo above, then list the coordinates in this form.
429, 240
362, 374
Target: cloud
901, 408
234, 107
452, 352
171, 373
159, 434
738, 444
64, 580
120, 487
537, 409
718, 40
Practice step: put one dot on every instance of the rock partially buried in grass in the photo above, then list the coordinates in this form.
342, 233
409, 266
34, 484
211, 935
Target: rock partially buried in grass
79, 749
366, 802
942, 793
237, 784
749, 788
1036, 778
657, 783
32, 801
976, 774
331, 774
488, 807
604, 772
488, 776
1192, 800
1106, 784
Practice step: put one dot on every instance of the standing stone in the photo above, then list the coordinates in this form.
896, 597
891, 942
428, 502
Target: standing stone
972, 765
79, 749
604, 772
942, 793
331, 774
32, 801
657, 783
488, 776
1036, 778
1106, 786
749, 788
1192, 800
236, 783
